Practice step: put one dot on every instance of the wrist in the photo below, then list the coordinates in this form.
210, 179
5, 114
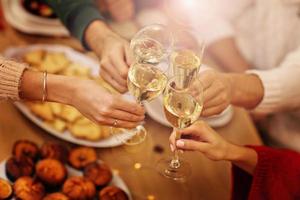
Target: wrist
95, 35
61, 88
234, 153
243, 157
31, 85
231, 80
246, 90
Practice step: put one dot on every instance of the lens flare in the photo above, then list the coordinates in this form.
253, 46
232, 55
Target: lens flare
182, 11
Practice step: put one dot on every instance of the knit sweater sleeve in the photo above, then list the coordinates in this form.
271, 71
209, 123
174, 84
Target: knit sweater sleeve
276, 176
10, 78
281, 85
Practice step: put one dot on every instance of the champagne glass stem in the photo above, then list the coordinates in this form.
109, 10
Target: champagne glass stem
175, 163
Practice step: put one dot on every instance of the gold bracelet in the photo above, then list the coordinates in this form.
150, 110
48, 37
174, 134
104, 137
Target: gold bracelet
44, 98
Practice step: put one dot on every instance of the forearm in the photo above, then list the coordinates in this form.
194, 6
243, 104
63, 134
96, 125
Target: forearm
227, 55
246, 89
76, 15
59, 88
243, 157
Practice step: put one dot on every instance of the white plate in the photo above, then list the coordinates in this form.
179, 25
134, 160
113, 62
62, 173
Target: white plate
17, 17
116, 180
16, 53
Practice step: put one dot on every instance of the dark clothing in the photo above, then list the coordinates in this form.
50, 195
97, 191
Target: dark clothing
276, 176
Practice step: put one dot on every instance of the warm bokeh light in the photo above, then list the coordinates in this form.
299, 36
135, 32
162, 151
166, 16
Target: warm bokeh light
151, 197
137, 166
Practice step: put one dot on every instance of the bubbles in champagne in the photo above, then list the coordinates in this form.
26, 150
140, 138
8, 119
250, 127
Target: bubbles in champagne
145, 82
181, 109
147, 50
185, 64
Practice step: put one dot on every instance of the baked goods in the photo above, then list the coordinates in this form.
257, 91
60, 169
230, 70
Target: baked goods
42, 110
48, 178
54, 62
58, 124
54, 151
80, 157
15, 168
6, 190
112, 193
99, 173
56, 196
25, 148
51, 172
81, 130
27, 188
63, 118
79, 188
70, 114
34, 58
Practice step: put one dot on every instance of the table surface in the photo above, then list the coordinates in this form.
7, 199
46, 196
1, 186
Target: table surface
209, 180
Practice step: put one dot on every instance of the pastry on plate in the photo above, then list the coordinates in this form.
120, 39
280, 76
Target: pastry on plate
69, 113
56, 196
75, 69
58, 124
99, 173
51, 172
15, 168
25, 148
89, 131
55, 107
80, 157
54, 62
112, 193
79, 188
34, 58
6, 190
41, 110
27, 188
54, 151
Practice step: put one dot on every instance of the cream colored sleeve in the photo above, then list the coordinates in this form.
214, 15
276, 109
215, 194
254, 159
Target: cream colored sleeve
10, 79
281, 86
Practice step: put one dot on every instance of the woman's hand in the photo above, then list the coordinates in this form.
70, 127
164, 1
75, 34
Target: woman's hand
104, 108
113, 51
200, 137
115, 62
217, 92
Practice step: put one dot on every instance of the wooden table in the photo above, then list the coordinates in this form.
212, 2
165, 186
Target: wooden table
209, 180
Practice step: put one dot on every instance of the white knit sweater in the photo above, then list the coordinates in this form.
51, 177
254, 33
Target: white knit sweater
268, 35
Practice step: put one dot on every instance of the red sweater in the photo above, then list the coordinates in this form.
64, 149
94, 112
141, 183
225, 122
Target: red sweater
276, 176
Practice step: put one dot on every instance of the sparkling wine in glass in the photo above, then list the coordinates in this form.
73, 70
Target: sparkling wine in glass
182, 106
146, 77
187, 54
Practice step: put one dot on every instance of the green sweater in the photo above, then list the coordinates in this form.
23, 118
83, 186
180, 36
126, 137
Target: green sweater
76, 15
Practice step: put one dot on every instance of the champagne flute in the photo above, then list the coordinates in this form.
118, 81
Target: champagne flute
187, 54
152, 44
146, 77
183, 104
